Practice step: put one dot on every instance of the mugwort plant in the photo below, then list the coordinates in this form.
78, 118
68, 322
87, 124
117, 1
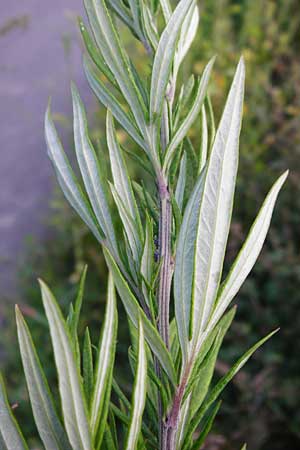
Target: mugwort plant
166, 261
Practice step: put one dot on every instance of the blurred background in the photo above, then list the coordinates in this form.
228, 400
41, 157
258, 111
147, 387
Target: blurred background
40, 51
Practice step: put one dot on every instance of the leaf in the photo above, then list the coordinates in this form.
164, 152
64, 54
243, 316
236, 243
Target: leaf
206, 428
105, 360
10, 434
120, 9
76, 314
180, 186
187, 35
45, 416
111, 103
70, 388
67, 179
128, 224
220, 386
166, 9
134, 311
139, 395
206, 369
214, 213
204, 141
91, 171
147, 259
190, 117
115, 56
121, 179
95, 54
87, 367
163, 58
248, 253
183, 272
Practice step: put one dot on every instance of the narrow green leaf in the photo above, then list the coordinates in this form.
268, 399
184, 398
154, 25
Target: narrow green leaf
95, 54
121, 179
67, 179
134, 311
70, 388
248, 253
91, 170
45, 416
10, 434
219, 387
183, 272
215, 209
206, 369
164, 56
166, 9
122, 12
204, 141
106, 359
206, 428
129, 225
187, 35
147, 259
76, 314
244, 447
139, 395
110, 102
87, 367
115, 56
191, 115
180, 186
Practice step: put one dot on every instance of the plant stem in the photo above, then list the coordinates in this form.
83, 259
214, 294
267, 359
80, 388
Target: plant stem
165, 278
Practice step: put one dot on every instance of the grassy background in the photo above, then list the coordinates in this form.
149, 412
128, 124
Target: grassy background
262, 404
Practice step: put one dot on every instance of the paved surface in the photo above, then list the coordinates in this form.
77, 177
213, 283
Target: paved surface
39, 54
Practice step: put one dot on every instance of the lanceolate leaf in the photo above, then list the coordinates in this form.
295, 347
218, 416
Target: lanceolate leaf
110, 102
134, 312
129, 225
220, 386
249, 252
120, 175
91, 171
70, 388
67, 179
204, 140
105, 358
10, 435
191, 116
115, 56
206, 369
187, 35
163, 58
180, 187
76, 314
139, 395
183, 273
46, 419
206, 428
87, 367
95, 55
215, 209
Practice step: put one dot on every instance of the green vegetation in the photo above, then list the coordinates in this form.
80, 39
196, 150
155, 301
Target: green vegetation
268, 35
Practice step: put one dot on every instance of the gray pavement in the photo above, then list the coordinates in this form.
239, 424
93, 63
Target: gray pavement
39, 54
